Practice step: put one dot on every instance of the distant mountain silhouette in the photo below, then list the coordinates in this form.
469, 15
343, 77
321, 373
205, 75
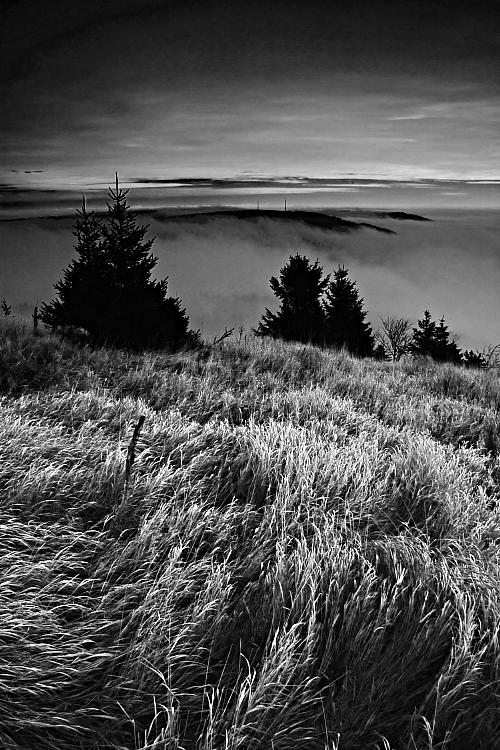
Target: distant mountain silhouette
381, 214
310, 218
401, 216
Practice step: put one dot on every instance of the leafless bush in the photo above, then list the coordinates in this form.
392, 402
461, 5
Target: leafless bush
492, 357
395, 336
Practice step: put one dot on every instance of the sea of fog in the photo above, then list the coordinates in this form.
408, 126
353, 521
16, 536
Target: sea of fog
220, 268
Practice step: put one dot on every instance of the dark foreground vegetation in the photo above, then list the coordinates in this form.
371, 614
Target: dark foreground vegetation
299, 552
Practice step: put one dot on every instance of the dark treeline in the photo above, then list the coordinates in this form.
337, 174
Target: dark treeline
107, 296
321, 310
327, 310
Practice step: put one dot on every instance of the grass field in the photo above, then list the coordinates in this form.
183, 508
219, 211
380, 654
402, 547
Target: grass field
303, 556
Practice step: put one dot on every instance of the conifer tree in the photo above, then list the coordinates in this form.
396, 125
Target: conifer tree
444, 349
128, 254
300, 316
424, 336
471, 358
345, 325
6, 309
79, 290
433, 340
108, 291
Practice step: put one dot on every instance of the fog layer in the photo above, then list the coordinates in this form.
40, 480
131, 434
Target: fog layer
221, 268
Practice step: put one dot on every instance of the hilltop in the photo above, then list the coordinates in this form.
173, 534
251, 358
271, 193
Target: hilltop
302, 553
310, 218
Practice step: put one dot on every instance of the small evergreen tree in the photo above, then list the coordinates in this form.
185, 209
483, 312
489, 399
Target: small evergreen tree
444, 349
471, 358
6, 309
300, 316
108, 291
424, 336
433, 340
345, 324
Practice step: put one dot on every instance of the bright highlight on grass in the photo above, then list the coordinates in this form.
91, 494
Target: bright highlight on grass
305, 556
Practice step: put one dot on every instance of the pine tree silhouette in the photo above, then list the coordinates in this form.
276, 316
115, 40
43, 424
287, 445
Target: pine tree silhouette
424, 336
108, 291
6, 309
82, 286
300, 316
345, 324
433, 340
444, 349
471, 358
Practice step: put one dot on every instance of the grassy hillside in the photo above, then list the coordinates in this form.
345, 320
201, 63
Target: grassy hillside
304, 555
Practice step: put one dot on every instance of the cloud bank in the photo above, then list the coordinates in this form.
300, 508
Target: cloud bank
221, 268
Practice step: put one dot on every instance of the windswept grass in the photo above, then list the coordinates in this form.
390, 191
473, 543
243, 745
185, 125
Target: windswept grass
305, 555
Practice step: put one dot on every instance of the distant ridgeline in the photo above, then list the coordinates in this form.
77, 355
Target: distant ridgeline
310, 218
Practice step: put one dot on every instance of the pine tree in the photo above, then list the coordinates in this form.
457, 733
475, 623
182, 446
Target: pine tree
6, 309
108, 291
345, 325
128, 255
471, 358
81, 288
444, 349
432, 340
424, 336
300, 316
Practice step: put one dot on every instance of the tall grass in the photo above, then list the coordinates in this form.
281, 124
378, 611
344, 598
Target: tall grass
305, 555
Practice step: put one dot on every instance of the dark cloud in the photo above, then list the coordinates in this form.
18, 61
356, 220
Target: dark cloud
268, 38
39, 33
250, 182
328, 87
287, 182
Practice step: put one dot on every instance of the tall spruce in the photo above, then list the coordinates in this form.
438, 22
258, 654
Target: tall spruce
300, 317
108, 291
345, 325
424, 336
82, 286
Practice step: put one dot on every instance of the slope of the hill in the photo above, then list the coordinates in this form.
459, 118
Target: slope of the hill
303, 555
310, 218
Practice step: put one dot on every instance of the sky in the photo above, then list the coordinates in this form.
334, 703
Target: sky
196, 98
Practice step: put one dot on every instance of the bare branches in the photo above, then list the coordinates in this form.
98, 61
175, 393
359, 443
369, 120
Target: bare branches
395, 336
491, 356
203, 348
217, 339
